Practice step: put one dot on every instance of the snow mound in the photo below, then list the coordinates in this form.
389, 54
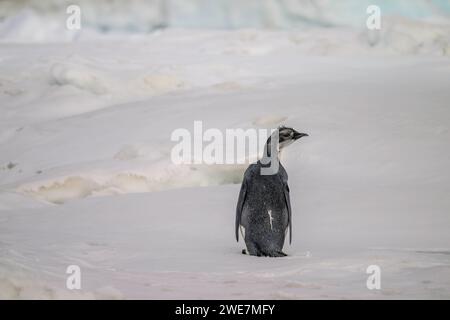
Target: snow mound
162, 83
62, 189
77, 76
79, 73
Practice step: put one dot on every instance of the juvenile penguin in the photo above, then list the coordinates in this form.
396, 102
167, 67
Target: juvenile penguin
263, 210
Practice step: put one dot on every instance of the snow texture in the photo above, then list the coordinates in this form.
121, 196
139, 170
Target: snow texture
86, 176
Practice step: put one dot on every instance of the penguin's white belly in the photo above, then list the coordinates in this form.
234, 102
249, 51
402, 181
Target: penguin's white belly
242, 231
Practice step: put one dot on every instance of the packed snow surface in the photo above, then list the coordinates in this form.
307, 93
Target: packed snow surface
86, 176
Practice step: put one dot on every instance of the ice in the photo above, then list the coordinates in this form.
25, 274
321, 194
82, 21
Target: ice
106, 17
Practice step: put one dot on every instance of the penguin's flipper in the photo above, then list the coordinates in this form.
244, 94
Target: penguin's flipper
288, 205
239, 207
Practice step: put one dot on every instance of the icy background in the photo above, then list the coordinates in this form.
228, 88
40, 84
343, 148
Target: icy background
85, 124
144, 16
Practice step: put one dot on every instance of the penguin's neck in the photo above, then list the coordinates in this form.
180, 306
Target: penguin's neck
267, 158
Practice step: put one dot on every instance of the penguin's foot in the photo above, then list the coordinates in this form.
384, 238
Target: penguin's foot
277, 254
273, 254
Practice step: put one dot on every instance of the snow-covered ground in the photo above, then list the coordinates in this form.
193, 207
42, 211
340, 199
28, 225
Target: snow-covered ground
86, 177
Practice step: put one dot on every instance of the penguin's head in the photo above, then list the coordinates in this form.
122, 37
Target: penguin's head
285, 135
288, 135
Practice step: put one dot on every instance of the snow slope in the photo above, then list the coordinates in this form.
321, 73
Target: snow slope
86, 176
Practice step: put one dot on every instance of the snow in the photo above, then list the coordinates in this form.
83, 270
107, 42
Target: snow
86, 176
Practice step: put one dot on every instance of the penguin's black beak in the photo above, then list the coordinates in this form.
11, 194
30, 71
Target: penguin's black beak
298, 135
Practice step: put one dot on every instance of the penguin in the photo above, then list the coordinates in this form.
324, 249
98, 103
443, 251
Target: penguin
263, 212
